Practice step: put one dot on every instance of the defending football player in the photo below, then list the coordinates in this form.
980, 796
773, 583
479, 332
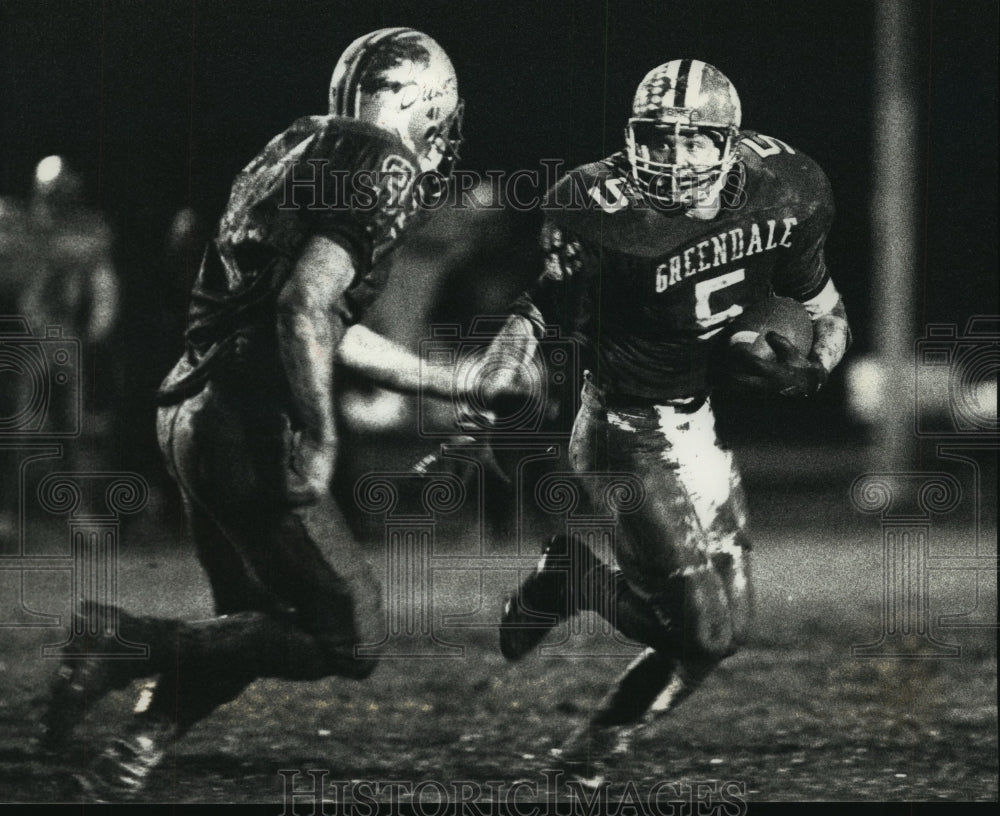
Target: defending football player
649, 254
247, 423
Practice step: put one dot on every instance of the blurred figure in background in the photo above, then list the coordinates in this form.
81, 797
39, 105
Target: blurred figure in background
15, 253
18, 260
72, 285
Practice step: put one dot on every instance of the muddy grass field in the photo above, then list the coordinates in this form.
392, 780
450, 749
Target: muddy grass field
793, 717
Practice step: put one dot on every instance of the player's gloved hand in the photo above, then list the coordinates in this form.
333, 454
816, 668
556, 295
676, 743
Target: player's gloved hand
498, 403
490, 409
790, 374
464, 465
308, 467
470, 419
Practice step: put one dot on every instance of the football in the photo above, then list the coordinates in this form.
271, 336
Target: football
779, 314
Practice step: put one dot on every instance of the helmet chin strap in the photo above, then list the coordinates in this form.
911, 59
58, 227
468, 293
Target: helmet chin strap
707, 206
443, 146
431, 159
711, 203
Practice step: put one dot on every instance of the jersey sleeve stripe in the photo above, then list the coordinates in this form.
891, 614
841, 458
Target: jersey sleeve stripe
824, 302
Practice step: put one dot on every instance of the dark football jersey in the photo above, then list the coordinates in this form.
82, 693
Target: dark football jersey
645, 290
324, 175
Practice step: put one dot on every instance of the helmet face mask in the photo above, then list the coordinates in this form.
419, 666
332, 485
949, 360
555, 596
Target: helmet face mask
673, 182
678, 102
442, 143
401, 80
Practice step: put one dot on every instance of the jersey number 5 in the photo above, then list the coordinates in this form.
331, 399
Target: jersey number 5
708, 320
765, 146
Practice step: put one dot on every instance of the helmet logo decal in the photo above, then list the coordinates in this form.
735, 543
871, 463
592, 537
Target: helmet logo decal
675, 85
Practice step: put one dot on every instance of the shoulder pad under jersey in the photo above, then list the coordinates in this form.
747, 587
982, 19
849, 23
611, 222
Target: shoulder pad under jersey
779, 175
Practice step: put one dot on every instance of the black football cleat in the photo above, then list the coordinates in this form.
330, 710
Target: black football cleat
124, 767
584, 756
546, 597
81, 680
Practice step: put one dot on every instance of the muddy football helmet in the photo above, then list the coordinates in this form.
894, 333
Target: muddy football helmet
678, 99
401, 80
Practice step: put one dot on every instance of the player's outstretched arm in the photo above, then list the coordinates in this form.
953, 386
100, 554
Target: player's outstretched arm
390, 365
311, 321
508, 360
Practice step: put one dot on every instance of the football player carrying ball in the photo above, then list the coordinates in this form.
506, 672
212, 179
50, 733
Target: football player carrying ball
675, 236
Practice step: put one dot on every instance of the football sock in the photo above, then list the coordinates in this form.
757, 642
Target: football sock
636, 690
605, 591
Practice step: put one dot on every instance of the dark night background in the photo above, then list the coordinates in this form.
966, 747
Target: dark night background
161, 103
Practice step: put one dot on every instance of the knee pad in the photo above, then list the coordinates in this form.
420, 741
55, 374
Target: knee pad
710, 632
695, 606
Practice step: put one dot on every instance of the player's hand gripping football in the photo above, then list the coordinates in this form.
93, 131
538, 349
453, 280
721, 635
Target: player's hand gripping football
789, 374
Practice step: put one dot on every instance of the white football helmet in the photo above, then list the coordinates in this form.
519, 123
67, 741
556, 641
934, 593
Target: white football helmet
401, 80
682, 97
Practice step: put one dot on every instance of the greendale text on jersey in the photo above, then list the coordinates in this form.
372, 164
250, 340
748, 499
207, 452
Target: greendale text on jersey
718, 250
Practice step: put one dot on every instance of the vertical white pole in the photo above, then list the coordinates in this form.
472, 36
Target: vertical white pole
895, 209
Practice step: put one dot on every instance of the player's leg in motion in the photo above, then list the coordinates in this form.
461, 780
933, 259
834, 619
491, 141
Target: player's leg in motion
80, 682
325, 597
683, 589
302, 594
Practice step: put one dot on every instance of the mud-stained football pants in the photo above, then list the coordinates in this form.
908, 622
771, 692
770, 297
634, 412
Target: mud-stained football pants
293, 590
684, 551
